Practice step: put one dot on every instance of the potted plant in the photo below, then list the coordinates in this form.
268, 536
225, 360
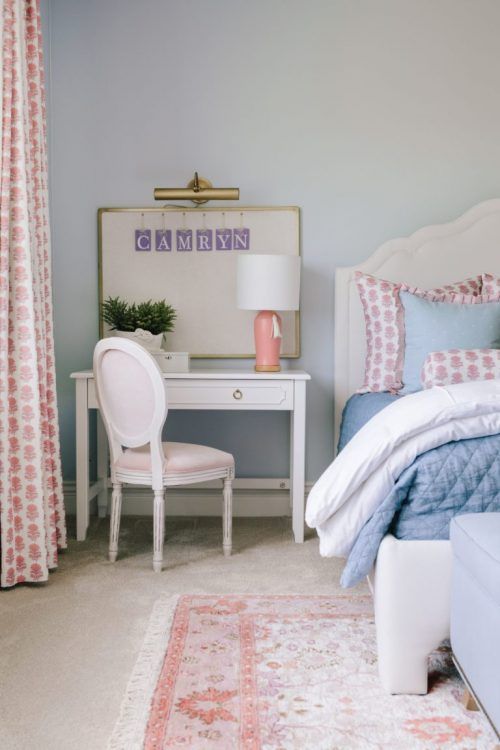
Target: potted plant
144, 322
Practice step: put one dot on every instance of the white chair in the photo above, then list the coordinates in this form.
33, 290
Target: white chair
132, 397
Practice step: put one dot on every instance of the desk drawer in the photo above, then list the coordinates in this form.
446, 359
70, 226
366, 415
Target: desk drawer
236, 394
225, 394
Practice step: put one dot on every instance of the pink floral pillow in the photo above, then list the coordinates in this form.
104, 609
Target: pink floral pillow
490, 284
384, 321
460, 366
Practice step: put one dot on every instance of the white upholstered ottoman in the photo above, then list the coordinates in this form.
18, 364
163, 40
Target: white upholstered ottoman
475, 607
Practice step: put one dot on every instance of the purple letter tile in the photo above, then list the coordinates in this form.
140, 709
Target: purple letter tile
184, 240
241, 239
143, 239
203, 239
163, 240
223, 239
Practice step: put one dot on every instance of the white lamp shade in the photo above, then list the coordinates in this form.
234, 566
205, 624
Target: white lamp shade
268, 282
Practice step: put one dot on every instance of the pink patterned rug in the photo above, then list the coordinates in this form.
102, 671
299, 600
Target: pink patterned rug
280, 673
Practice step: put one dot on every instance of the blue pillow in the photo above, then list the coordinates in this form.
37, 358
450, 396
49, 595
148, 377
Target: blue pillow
434, 326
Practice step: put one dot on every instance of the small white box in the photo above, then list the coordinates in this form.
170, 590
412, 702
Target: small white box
172, 361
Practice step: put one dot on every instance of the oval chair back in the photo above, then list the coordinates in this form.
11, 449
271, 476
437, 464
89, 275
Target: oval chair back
132, 398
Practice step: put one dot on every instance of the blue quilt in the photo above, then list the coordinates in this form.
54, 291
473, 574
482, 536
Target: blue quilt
459, 477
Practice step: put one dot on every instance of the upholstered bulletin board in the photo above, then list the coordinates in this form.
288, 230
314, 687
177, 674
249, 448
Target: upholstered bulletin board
187, 256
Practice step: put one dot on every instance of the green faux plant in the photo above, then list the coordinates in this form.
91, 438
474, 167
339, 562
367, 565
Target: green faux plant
155, 317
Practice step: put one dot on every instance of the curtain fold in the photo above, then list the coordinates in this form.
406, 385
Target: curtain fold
32, 521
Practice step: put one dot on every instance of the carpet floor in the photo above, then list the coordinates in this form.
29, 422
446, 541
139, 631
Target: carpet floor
68, 647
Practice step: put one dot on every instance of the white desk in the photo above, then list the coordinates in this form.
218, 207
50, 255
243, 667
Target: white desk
199, 389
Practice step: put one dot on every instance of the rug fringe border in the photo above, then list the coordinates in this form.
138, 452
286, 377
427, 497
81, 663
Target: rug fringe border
129, 730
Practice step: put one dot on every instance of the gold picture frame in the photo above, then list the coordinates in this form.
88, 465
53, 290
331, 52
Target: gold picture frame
294, 353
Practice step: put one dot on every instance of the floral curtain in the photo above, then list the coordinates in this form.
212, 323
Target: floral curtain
32, 523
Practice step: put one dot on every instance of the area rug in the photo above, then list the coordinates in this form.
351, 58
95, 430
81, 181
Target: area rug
281, 673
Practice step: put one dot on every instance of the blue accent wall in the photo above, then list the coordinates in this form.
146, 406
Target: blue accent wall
375, 118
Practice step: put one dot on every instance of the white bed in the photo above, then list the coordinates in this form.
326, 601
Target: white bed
411, 579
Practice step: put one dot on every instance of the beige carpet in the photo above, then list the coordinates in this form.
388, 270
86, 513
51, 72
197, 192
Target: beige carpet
67, 647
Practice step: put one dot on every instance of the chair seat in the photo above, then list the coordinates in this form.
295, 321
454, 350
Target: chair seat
180, 458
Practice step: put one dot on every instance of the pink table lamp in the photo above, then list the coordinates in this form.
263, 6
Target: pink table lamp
268, 283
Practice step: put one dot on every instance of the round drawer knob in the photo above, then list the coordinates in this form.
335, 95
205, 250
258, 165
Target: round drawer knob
237, 394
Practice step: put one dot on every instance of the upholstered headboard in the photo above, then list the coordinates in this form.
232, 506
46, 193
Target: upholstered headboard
430, 257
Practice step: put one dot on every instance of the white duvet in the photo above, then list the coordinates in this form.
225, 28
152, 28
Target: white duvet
360, 478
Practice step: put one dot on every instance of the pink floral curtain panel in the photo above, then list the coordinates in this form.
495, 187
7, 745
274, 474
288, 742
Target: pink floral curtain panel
32, 524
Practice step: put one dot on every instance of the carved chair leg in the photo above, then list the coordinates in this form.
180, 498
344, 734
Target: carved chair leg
227, 517
158, 529
114, 524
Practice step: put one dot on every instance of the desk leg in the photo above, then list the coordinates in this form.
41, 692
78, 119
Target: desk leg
297, 459
102, 468
82, 460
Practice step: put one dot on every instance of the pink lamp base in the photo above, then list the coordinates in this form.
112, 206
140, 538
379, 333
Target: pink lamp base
267, 343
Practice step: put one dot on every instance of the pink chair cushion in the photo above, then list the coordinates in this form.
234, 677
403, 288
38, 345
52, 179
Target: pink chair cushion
181, 458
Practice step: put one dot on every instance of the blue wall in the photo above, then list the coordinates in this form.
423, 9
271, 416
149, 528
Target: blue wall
375, 118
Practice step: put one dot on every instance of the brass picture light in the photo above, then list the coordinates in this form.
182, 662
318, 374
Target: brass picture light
198, 190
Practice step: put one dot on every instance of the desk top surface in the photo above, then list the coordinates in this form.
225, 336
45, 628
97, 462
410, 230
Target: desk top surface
218, 375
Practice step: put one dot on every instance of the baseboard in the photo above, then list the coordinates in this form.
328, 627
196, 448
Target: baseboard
197, 501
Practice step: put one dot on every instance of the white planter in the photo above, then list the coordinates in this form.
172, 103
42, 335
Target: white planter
151, 342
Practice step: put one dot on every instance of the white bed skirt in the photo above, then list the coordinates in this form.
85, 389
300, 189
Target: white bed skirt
411, 584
